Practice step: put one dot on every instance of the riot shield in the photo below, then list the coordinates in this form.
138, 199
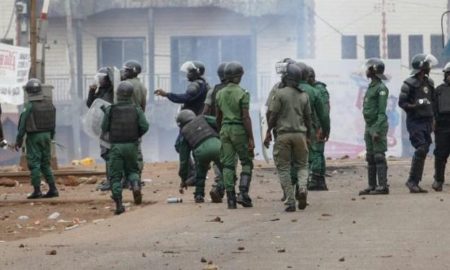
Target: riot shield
92, 121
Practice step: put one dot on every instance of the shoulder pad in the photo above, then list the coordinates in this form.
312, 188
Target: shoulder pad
412, 81
193, 88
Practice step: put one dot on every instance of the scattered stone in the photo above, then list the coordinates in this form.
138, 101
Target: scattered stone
23, 218
95, 221
294, 220
441, 200
216, 219
211, 267
51, 252
203, 260
345, 157
68, 228
354, 222
275, 219
353, 199
281, 250
92, 180
240, 240
6, 182
363, 198
326, 215
54, 215
241, 248
144, 255
342, 259
71, 181
21, 246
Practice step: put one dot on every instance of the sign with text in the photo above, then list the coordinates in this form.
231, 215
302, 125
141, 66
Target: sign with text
14, 69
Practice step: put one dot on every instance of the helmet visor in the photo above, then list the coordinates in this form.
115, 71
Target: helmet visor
281, 68
431, 60
187, 66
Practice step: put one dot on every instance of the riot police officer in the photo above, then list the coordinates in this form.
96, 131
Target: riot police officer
416, 100
236, 135
126, 123
320, 127
317, 149
290, 114
38, 121
199, 136
441, 129
375, 135
194, 97
131, 70
102, 88
210, 101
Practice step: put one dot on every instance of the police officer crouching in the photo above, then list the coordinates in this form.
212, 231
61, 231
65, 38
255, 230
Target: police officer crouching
374, 112
38, 121
415, 99
441, 129
199, 135
126, 124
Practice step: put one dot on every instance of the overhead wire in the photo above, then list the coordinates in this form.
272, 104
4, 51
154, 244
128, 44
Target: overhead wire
10, 22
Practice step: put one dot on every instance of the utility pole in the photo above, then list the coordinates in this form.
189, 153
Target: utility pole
72, 80
383, 7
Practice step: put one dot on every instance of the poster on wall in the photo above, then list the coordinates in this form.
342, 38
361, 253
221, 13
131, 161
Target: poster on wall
14, 69
347, 83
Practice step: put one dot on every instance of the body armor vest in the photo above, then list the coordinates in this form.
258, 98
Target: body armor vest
42, 117
124, 124
197, 131
198, 102
421, 91
213, 97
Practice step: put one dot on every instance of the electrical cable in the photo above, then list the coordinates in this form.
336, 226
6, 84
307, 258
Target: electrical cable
10, 22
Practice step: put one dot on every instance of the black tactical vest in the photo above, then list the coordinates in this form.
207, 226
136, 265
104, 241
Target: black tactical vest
124, 124
420, 91
197, 102
197, 131
42, 117
217, 88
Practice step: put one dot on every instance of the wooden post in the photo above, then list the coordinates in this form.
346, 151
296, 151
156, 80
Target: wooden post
151, 53
33, 38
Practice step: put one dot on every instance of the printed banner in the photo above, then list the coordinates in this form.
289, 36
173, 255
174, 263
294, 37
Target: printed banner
14, 69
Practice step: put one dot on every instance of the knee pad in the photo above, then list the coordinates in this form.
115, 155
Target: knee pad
380, 158
421, 151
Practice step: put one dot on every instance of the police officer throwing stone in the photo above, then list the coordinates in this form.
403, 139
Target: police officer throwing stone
38, 121
126, 124
290, 114
415, 99
441, 129
374, 112
199, 136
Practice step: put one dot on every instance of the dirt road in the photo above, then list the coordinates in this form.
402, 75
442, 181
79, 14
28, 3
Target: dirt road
339, 230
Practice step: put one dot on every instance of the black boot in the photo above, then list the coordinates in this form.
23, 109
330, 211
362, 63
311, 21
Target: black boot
371, 175
313, 182
36, 193
199, 198
439, 174
52, 191
381, 165
302, 198
137, 194
415, 174
231, 199
244, 185
119, 206
216, 193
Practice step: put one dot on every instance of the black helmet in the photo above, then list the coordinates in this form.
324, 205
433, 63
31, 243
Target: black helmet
33, 86
184, 117
131, 69
292, 76
233, 72
221, 71
281, 66
104, 75
376, 66
193, 69
125, 90
304, 68
422, 62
